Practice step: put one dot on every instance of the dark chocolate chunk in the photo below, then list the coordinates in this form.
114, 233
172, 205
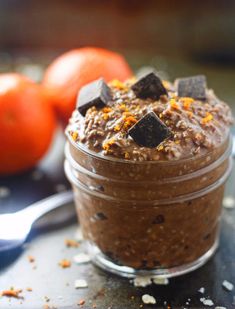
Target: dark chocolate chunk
96, 94
193, 87
158, 219
149, 131
149, 86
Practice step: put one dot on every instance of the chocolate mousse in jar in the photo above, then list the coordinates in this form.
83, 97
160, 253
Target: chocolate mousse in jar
148, 161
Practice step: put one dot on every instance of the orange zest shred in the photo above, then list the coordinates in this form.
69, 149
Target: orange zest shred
117, 128
127, 114
190, 114
207, 119
81, 302
64, 263
160, 148
131, 80
129, 121
187, 102
108, 144
174, 104
106, 109
74, 136
118, 84
29, 289
31, 258
105, 116
11, 293
71, 243
123, 107
126, 155
177, 142
166, 84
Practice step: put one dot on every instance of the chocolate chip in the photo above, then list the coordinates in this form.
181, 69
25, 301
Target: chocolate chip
96, 94
158, 219
149, 86
193, 87
207, 236
156, 263
100, 188
144, 264
149, 131
100, 216
109, 254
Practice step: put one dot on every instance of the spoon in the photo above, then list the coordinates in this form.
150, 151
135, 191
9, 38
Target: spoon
15, 227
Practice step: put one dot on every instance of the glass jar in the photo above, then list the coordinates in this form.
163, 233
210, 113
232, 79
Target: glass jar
149, 218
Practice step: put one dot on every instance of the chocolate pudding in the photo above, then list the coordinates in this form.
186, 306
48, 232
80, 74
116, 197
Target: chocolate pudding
148, 161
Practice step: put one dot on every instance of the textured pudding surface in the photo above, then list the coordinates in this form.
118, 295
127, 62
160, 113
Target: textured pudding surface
197, 126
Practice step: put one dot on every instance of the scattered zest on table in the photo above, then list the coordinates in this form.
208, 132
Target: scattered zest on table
64, 263
31, 259
12, 292
71, 243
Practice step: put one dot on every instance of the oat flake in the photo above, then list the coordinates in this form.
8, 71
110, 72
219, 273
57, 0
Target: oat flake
201, 290
142, 281
148, 299
161, 281
81, 258
227, 285
80, 284
206, 302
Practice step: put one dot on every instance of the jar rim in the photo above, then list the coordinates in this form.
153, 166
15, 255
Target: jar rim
176, 179
99, 156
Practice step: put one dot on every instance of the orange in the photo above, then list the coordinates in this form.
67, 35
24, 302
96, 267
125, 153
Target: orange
27, 123
72, 70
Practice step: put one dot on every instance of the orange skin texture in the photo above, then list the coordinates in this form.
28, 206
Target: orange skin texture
72, 70
27, 123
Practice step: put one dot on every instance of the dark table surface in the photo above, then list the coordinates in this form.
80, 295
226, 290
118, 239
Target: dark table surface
46, 244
